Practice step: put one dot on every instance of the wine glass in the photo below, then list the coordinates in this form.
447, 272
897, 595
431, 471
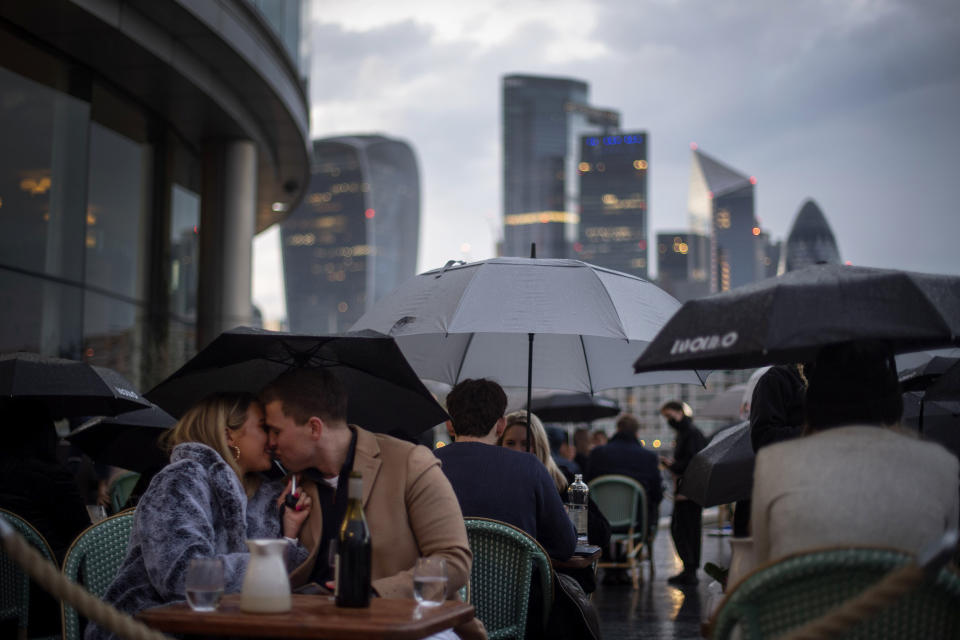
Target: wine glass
204, 583
430, 581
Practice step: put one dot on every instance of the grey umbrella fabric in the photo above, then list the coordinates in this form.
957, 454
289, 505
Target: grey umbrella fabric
384, 394
725, 404
789, 318
474, 320
66, 388
722, 472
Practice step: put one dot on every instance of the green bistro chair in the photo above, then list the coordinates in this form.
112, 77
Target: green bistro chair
619, 499
14, 582
93, 561
120, 489
779, 597
500, 581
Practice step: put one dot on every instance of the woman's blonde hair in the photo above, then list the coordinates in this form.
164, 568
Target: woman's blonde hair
539, 445
207, 422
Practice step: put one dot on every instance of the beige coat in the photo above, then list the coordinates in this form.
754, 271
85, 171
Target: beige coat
411, 510
855, 485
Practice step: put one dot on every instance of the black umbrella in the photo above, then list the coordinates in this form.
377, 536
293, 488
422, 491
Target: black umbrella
67, 388
946, 387
384, 394
722, 472
574, 407
922, 376
128, 441
789, 318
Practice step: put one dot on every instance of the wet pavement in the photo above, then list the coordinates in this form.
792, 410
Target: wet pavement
658, 610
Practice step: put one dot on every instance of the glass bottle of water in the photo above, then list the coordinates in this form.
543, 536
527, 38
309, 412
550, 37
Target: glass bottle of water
577, 495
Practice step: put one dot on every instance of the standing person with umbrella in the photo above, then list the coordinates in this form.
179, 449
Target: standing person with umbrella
685, 522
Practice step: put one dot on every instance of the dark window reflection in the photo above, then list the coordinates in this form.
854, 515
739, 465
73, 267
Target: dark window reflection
184, 252
42, 169
39, 315
113, 334
117, 201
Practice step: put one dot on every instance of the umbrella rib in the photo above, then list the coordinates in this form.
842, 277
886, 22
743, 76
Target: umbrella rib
463, 358
586, 362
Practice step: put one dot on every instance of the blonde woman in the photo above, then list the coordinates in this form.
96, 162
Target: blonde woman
515, 435
205, 504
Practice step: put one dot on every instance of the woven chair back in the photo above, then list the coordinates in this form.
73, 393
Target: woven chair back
14, 582
779, 597
93, 560
500, 581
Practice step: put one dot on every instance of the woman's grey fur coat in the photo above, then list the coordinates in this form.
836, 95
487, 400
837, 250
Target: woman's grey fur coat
194, 508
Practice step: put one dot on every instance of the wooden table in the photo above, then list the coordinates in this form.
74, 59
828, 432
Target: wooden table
312, 616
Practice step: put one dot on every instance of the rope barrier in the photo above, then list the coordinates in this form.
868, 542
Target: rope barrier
838, 620
49, 577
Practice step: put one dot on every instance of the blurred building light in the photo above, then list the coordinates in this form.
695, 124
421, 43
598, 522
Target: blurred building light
584, 167
694, 146
753, 180
540, 217
342, 307
465, 247
640, 165
370, 213
279, 207
756, 231
656, 444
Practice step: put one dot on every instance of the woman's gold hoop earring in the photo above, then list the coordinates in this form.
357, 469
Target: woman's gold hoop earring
236, 452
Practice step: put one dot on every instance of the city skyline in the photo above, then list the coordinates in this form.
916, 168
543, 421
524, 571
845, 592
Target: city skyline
850, 106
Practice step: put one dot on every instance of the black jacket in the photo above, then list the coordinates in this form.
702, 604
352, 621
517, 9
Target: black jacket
776, 409
624, 455
690, 441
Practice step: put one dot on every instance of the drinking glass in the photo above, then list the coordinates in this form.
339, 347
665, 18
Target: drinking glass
430, 581
204, 583
97, 512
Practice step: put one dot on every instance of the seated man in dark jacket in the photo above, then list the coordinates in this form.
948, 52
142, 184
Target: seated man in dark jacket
497, 482
624, 455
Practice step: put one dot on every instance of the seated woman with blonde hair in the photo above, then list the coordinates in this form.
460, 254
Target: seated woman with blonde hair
514, 436
205, 504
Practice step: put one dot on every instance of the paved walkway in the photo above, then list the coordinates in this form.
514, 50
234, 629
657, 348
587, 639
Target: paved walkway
658, 610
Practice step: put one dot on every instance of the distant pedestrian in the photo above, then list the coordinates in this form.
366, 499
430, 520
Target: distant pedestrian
685, 523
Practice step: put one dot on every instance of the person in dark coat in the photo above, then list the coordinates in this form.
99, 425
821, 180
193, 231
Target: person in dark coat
685, 523
559, 444
776, 414
624, 455
36, 486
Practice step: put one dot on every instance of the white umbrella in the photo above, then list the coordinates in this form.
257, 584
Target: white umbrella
725, 404
551, 324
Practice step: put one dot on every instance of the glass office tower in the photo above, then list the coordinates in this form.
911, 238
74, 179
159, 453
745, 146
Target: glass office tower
543, 120
613, 202
721, 206
355, 237
683, 264
810, 241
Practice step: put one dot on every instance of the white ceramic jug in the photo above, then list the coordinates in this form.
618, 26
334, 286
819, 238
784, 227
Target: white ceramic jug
266, 587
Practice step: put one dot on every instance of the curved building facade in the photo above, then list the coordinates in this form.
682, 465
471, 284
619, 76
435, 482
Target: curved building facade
811, 240
145, 143
355, 237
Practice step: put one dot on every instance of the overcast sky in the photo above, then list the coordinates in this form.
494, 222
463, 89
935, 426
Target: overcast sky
853, 103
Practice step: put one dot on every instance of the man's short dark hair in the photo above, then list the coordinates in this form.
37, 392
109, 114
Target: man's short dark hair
854, 383
308, 392
475, 405
628, 423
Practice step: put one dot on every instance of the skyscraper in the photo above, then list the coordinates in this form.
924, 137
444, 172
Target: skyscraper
543, 119
721, 206
613, 202
355, 237
683, 264
810, 240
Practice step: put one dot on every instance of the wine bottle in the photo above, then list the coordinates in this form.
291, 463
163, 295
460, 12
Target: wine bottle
352, 565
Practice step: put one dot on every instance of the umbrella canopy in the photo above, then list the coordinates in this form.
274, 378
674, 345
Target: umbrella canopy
573, 407
919, 370
722, 472
128, 440
789, 318
725, 404
384, 394
947, 386
67, 388
586, 324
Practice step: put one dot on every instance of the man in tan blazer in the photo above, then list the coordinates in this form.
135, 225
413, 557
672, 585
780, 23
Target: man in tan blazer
410, 506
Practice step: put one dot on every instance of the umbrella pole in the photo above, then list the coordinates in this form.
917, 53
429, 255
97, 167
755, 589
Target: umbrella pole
529, 384
533, 254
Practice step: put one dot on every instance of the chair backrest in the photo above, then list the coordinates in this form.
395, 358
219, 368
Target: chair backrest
619, 498
120, 489
500, 580
14, 582
782, 596
93, 560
